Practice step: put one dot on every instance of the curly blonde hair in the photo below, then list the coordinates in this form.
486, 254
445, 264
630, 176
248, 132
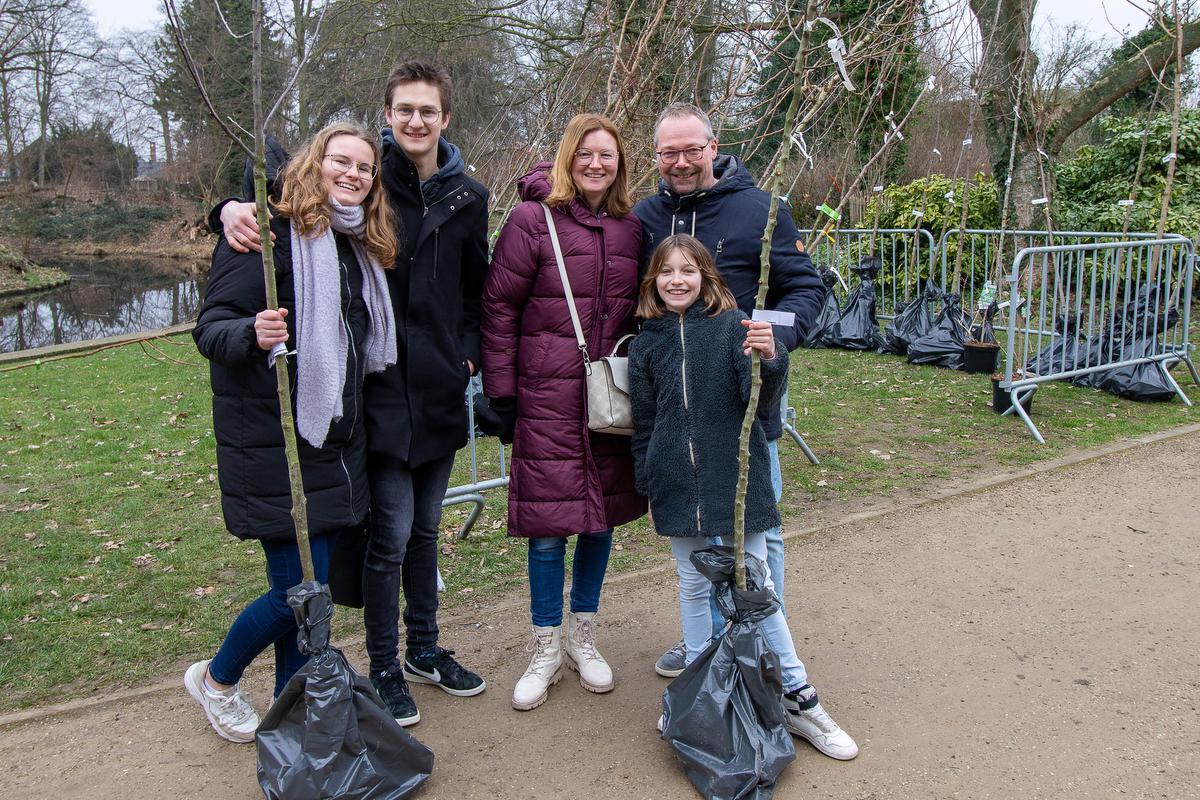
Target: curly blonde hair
305, 200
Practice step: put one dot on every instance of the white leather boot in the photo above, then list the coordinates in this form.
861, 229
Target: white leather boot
545, 668
582, 656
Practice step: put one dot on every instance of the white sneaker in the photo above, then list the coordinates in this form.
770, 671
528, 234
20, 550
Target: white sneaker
229, 712
816, 726
544, 670
582, 656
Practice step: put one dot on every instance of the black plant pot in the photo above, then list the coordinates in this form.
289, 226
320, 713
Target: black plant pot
1002, 400
980, 357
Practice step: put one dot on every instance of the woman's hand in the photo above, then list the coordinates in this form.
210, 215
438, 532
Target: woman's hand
760, 337
270, 328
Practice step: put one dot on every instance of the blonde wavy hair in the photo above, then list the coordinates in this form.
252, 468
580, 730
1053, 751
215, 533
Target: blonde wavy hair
714, 293
562, 186
305, 200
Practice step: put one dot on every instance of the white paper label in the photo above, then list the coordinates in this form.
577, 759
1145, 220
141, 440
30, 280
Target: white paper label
879, 188
1168, 157
1040, 201
785, 319
1125, 202
967, 142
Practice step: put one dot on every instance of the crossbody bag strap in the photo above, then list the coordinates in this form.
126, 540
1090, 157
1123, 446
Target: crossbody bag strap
562, 273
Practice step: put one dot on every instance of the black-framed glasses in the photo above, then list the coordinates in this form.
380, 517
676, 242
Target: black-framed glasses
343, 164
405, 113
692, 154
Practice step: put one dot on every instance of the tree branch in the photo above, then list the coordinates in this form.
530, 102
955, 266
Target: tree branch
1116, 82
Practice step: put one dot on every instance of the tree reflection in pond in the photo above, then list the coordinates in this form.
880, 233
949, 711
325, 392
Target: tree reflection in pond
104, 298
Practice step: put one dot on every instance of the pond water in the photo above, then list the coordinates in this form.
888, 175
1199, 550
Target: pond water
105, 297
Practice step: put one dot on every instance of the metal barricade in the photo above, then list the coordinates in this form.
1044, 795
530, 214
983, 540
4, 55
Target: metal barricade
472, 491
907, 255
1108, 305
982, 246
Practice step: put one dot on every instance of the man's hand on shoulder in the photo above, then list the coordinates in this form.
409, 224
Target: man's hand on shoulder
240, 224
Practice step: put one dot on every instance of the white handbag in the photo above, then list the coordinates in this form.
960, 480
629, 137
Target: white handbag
608, 404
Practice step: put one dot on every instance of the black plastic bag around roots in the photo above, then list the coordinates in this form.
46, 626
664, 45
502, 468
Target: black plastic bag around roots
328, 734
831, 310
857, 327
943, 345
912, 322
1133, 334
723, 715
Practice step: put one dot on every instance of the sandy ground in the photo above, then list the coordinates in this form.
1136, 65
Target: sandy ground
1037, 639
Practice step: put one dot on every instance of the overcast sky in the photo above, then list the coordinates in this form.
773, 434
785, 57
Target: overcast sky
1103, 17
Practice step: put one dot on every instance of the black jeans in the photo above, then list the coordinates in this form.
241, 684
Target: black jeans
406, 509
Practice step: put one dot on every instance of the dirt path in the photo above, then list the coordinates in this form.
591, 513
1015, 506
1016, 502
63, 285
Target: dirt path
1037, 639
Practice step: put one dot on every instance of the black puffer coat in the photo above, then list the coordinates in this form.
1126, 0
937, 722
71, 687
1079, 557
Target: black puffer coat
690, 382
255, 494
415, 409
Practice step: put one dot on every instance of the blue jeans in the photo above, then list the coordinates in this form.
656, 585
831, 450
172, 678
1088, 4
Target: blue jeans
774, 541
269, 619
406, 511
547, 568
695, 589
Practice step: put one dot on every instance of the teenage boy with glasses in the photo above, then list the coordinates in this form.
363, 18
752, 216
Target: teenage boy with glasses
714, 198
415, 415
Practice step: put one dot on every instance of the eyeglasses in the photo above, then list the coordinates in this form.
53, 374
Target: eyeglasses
586, 156
691, 154
342, 164
405, 113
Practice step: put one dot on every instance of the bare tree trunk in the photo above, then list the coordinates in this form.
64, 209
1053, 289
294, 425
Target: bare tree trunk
164, 120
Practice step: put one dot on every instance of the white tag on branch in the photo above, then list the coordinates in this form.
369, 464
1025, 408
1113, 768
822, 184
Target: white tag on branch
918, 212
1125, 203
967, 142
929, 84
949, 195
1042, 153
878, 188
801, 145
1169, 157
470, 167
891, 120
785, 319
1040, 201
937, 152
277, 351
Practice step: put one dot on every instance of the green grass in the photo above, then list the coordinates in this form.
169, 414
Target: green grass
115, 566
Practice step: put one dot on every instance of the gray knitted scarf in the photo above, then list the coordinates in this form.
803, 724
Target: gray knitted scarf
322, 339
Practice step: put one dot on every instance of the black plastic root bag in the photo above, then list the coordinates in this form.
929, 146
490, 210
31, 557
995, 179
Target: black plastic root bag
831, 311
723, 715
328, 734
1064, 348
914, 321
857, 327
943, 345
1133, 334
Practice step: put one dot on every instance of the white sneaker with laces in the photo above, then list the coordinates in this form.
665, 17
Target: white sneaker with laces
544, 670
229, 712
817, 727
595, 674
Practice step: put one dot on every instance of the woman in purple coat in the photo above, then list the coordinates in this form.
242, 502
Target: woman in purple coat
565, 480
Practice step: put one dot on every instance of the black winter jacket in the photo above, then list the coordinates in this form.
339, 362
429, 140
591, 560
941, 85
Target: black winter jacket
416, 410
729, 219
690, 381
255, 493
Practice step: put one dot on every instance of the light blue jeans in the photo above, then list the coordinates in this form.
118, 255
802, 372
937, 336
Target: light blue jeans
774, 541
695, 592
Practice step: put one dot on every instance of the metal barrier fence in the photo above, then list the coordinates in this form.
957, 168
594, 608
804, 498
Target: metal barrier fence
982, 246
1086, 309
907, 255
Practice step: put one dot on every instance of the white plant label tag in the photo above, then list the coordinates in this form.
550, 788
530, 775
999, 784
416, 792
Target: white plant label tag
785, 319
1125, 202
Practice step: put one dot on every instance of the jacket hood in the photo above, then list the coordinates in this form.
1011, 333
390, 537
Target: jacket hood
450, 162
535, 184
731, 175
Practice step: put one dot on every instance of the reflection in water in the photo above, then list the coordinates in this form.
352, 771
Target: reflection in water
104, 298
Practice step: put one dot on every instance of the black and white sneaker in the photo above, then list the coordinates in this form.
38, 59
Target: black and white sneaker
437, 667
393, 690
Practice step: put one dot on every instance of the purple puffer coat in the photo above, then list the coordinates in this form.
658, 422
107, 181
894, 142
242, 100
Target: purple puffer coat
563, 479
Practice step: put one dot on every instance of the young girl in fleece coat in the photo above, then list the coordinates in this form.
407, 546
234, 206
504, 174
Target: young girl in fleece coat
689, 374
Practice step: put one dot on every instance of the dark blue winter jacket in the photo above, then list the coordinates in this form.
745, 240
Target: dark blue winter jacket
729, 218
689, 383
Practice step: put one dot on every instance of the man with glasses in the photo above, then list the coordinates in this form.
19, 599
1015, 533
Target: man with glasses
415, 415
714, 198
